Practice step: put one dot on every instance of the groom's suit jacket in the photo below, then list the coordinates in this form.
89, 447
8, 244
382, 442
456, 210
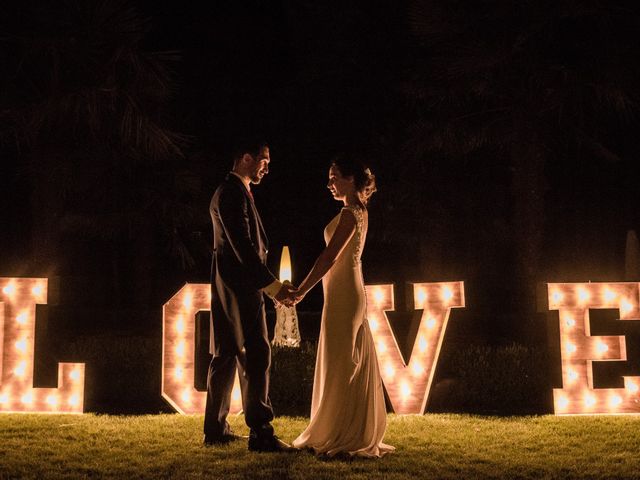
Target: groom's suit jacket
238, 268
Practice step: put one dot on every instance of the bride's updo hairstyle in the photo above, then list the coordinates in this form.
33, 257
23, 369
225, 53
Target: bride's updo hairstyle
363, 179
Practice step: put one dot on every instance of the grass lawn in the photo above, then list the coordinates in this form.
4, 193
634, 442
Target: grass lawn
429, 446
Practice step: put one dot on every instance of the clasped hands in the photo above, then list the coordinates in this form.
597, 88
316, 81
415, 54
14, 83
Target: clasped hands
288, 296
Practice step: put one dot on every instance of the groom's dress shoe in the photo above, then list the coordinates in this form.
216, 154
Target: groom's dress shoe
222, 439
269, 444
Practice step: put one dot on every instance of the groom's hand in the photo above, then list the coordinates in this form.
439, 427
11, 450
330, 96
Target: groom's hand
286, 295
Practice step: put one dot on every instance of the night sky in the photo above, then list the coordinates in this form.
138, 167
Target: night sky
503, 137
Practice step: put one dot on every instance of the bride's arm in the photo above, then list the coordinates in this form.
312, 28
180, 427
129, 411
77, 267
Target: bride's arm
344, 231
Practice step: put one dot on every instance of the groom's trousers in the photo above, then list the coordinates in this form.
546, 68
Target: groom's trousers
253, 364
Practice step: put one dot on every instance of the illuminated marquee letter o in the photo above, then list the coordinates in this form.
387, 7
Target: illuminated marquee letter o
178, 351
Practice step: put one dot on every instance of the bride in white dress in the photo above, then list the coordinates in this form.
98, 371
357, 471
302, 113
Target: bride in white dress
348, 413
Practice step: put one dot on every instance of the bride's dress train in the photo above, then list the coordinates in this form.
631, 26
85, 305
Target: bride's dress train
348, 413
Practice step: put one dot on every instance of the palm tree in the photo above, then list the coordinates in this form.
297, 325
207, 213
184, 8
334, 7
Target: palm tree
87, 104
525, 84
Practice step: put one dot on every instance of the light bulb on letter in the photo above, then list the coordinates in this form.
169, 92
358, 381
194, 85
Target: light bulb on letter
405, 390
615, 401
180, 348
557, 296
180, 325
21, 345
378, 295
447, 294
186, 396
373, 325
21, 369
389, 371
188, 300
422, 344
22, 318
583, 294
563, 402
589, 400
609, 295
421, 297
625, 306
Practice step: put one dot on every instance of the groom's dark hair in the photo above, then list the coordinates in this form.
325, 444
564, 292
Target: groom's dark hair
250, 145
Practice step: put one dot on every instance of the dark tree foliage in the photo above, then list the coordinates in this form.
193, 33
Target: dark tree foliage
84, 107
529, 106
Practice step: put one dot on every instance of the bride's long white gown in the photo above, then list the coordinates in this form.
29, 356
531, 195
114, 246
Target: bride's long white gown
348, 412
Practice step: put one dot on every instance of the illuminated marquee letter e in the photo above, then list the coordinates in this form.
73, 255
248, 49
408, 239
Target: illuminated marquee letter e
579, 349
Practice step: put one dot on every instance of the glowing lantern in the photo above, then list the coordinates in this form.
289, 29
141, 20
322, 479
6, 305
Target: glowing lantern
408, 384
236, 394
17, 337
178, 350
286, 331
285, 265
573, 301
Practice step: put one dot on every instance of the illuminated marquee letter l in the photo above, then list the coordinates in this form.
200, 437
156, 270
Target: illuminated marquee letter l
18, 299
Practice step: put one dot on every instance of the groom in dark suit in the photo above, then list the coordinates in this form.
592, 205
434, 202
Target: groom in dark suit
239, 277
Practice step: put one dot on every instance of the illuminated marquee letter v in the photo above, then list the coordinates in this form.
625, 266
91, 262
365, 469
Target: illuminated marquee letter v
178, 351
408, 385
18, 299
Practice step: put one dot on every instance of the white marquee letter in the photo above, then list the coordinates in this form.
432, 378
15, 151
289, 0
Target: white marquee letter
178, 351
18, 299
579, 349
408, 385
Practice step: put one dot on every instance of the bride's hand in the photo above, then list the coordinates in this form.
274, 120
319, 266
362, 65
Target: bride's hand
298, 296
293, 296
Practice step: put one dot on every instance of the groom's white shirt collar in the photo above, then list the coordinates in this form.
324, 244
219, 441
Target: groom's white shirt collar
244, 182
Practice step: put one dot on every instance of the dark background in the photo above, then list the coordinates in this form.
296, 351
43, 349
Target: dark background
503, 135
